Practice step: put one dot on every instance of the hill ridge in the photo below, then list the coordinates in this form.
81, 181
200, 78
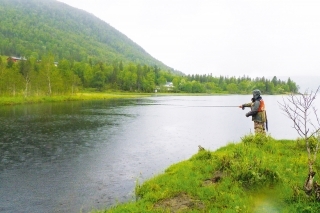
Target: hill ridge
36, 27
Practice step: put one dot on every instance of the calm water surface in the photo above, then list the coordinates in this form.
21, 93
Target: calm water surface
78, 156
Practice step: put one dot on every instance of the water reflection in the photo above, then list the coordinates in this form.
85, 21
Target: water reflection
44, 131
47, 152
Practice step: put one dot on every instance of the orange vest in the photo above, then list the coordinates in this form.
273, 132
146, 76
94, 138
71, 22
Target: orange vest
261, 107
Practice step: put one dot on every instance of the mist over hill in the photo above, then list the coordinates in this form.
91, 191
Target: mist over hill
38, 27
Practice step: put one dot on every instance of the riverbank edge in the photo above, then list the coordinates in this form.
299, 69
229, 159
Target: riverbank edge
258, 174
63, 98
82, 96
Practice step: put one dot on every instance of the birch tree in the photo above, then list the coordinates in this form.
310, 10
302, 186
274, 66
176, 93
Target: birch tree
25, 68
47, 68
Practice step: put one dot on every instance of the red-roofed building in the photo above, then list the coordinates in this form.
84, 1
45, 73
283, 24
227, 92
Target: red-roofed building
15, 59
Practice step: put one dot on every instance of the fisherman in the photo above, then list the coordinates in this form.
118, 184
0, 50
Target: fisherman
258, 112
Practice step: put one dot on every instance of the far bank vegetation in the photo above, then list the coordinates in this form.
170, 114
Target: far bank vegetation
47, 77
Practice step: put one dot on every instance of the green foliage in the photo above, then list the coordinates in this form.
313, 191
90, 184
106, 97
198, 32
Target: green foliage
243, 85
45, 77
257, 173
35, 28
258, 139
232, 88
76, 97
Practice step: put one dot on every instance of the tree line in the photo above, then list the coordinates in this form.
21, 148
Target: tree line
238, 85
32, 77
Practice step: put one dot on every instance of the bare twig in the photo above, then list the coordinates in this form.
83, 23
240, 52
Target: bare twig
297, 108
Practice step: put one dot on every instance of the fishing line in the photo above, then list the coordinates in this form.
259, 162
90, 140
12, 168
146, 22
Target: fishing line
150, 104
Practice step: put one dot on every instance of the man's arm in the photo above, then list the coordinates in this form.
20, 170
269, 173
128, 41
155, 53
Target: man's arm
245, 105
254, 109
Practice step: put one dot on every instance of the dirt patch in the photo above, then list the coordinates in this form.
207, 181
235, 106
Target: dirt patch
183, 202
180, 203
217, 176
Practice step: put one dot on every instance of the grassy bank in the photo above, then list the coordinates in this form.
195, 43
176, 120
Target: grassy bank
19, 99
75, 97
259, 174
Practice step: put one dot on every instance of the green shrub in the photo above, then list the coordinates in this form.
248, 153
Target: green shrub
257, 139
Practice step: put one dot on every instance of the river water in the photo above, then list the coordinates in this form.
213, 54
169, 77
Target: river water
79, 156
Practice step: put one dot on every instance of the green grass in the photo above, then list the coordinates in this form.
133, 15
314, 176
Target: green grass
85, 95
259, 174
75, 97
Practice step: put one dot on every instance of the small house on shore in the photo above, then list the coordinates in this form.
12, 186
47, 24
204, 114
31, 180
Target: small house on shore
169, 86
15, 59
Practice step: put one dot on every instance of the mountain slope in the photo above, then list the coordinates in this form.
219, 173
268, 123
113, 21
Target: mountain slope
37, 27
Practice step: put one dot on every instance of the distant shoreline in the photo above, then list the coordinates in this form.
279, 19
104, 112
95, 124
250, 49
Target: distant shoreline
16, 100
63, 98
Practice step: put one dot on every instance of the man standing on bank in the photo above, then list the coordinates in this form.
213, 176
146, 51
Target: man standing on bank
258, 112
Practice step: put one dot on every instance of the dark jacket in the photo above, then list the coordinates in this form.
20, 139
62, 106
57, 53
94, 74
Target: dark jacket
256, 115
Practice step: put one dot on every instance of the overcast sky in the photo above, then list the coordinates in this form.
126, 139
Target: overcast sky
222, 37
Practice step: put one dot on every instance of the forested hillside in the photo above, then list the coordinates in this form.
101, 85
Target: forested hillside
38, 27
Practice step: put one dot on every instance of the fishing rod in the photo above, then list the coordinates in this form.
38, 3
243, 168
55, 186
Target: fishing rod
222, 106
213, 106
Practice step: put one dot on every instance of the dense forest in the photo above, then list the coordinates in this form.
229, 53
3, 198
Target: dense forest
46, 77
